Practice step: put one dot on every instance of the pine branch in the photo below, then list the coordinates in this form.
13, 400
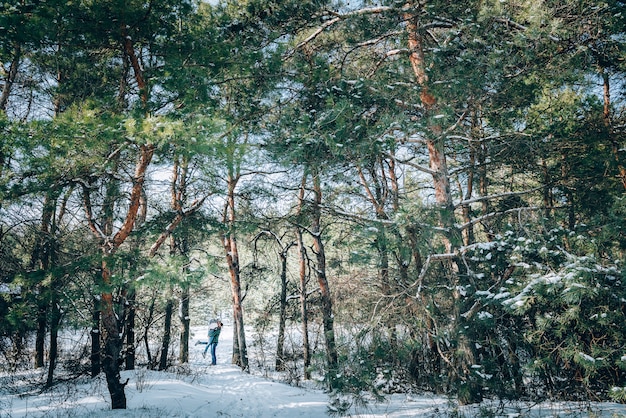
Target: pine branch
337, 17
410, 164
494, 196
197, 204
494, 214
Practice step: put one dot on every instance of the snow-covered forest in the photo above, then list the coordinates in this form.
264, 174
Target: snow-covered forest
378, 197
197, 389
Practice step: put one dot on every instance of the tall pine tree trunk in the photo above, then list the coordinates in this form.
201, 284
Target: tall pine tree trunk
468, 233
55, 323
40, 335
167, 331
131, 302
96, 361
280, 343
184, 317
41, 260
469, 390
229, 239
169, 310
109, 245
112, 342
185, 320
55, 291
327, 306
606, 116
10, 78
483, 185
146, 330
181, 245
304, 310
129, 291
302, 263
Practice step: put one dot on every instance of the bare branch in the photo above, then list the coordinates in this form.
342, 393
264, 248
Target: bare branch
494, 196
494, 214
337, 18
384, 58
316, 33
374, 41
177, 220
416, 166
458, 121
377, 206
95, 228
509, 22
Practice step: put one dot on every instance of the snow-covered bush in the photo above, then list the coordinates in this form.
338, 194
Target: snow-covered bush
552, 320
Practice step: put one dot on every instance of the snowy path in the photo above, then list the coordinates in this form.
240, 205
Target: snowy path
223, 390
208, 391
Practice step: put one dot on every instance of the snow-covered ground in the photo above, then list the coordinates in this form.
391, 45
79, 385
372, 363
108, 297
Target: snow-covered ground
224, 391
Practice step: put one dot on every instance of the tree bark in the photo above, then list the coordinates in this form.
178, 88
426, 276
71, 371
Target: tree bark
184, 317
469, 390
181, 245
146, 329
167, 330
10, 78
131, 302
43, 260
55, 285
109, 321
112, 342
129, 292
55, 322
229, 240
304, 312
96, 361
185, 321
327, 307
469, 237
280, 343
40, 336
607, 122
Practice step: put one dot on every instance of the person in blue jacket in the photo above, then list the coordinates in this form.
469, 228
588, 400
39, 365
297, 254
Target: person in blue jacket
215, 327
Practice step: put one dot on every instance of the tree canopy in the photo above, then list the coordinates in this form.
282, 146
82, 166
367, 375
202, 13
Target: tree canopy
443, 183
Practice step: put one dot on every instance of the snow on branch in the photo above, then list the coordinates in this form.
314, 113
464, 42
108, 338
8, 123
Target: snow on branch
337, 18
431, 258
317, 31
410, 164
494, 196
377, 40
399, 102
363, 11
